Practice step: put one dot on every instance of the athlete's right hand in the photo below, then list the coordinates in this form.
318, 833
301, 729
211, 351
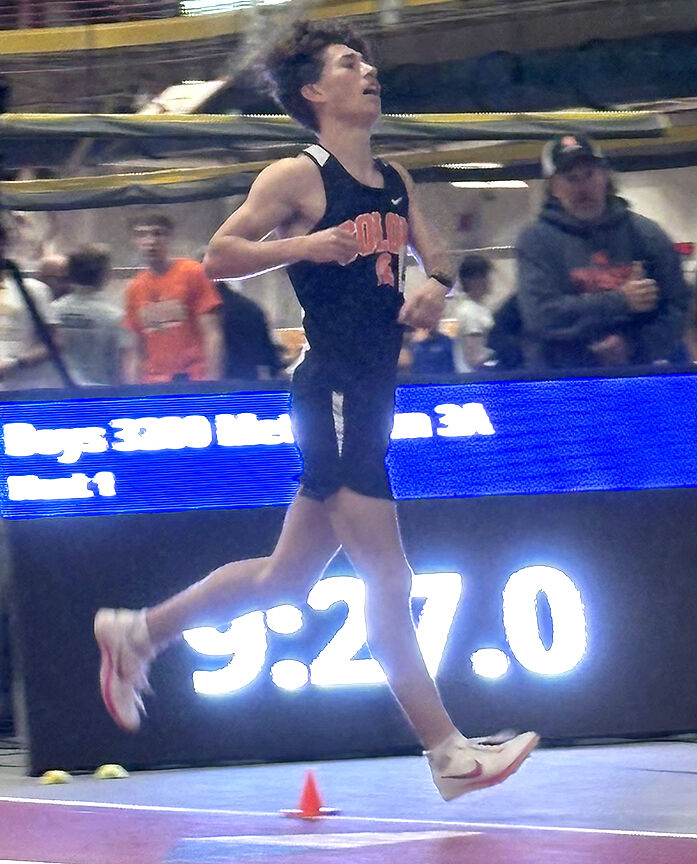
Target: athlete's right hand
640, 293
335, 245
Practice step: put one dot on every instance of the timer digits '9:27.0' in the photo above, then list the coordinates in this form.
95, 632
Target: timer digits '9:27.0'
245, 641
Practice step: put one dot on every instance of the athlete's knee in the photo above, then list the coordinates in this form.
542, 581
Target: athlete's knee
286, 577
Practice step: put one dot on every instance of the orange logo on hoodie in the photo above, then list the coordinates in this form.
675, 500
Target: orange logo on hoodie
600, 275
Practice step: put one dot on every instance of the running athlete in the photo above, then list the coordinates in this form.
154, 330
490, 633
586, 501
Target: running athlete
342, 221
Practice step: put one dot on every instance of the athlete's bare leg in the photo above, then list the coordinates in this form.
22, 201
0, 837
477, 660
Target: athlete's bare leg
367, 528
369, 533
129, 639
306, 545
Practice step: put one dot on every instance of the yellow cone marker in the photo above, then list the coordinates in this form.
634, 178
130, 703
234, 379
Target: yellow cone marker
49, 778
110, 772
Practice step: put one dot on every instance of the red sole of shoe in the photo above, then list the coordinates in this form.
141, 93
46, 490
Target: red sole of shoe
105, 671
106, 668
504, 775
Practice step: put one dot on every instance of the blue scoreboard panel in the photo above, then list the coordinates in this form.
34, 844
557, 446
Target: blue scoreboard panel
102, 456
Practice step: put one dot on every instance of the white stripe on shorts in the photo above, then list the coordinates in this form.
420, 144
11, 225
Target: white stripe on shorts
338, 414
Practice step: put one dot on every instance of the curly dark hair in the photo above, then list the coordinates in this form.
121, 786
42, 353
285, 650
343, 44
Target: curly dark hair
89, 265
296, 60
473, 267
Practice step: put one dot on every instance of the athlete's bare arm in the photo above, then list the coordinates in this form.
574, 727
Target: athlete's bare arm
424, 306
286, 198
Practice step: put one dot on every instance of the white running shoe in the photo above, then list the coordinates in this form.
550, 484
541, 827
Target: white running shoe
460, 765
126, 653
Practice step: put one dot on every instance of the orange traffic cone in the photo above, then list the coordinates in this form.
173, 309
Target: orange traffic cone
310, 806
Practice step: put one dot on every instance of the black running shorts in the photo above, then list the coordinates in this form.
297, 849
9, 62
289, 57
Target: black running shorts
343, 434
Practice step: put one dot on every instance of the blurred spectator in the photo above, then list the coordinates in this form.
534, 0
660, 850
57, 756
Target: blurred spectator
432, 353
24, 362
53, 271
598, 285
114, 11
43, 13
474, 319
249, 351
690, 337
691, 329
174, 310
31, 233
18, 14
88, 327
97, 12
9, 14
136, 10
506, 338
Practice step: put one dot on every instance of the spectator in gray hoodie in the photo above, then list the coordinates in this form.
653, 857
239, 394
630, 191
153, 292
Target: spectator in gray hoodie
598, 285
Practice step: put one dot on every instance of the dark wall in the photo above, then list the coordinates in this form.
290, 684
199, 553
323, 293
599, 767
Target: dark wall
6, 718
598, 74
630, 554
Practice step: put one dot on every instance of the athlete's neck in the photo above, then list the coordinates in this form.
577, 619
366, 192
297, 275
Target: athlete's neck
351, 146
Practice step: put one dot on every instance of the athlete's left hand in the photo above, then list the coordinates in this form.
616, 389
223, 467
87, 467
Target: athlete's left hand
424, 306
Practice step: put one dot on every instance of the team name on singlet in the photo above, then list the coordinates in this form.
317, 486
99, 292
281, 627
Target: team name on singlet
382, 236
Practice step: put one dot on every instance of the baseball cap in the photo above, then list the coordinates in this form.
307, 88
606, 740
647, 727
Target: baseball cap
564, 151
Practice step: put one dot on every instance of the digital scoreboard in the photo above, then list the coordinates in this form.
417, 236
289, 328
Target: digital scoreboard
550, 525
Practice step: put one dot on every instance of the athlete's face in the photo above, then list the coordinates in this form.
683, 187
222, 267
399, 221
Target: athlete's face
348, 86
582, 190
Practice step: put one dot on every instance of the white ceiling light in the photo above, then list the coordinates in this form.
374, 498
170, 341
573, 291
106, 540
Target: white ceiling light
490, 184
199, 7
471, 165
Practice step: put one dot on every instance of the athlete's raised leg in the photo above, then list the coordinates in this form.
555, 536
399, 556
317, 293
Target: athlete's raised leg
130, 639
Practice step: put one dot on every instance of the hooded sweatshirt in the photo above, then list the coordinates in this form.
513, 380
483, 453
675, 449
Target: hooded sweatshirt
569, 273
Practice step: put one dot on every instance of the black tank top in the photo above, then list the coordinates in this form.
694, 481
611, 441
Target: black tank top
350, 312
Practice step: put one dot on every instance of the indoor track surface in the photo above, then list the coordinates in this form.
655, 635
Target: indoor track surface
634, 803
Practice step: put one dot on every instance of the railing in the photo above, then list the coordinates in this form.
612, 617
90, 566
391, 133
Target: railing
26, 14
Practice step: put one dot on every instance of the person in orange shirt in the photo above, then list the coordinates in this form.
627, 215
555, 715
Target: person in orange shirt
174, 310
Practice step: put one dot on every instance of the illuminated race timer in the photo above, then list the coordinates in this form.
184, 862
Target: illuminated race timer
246, 640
